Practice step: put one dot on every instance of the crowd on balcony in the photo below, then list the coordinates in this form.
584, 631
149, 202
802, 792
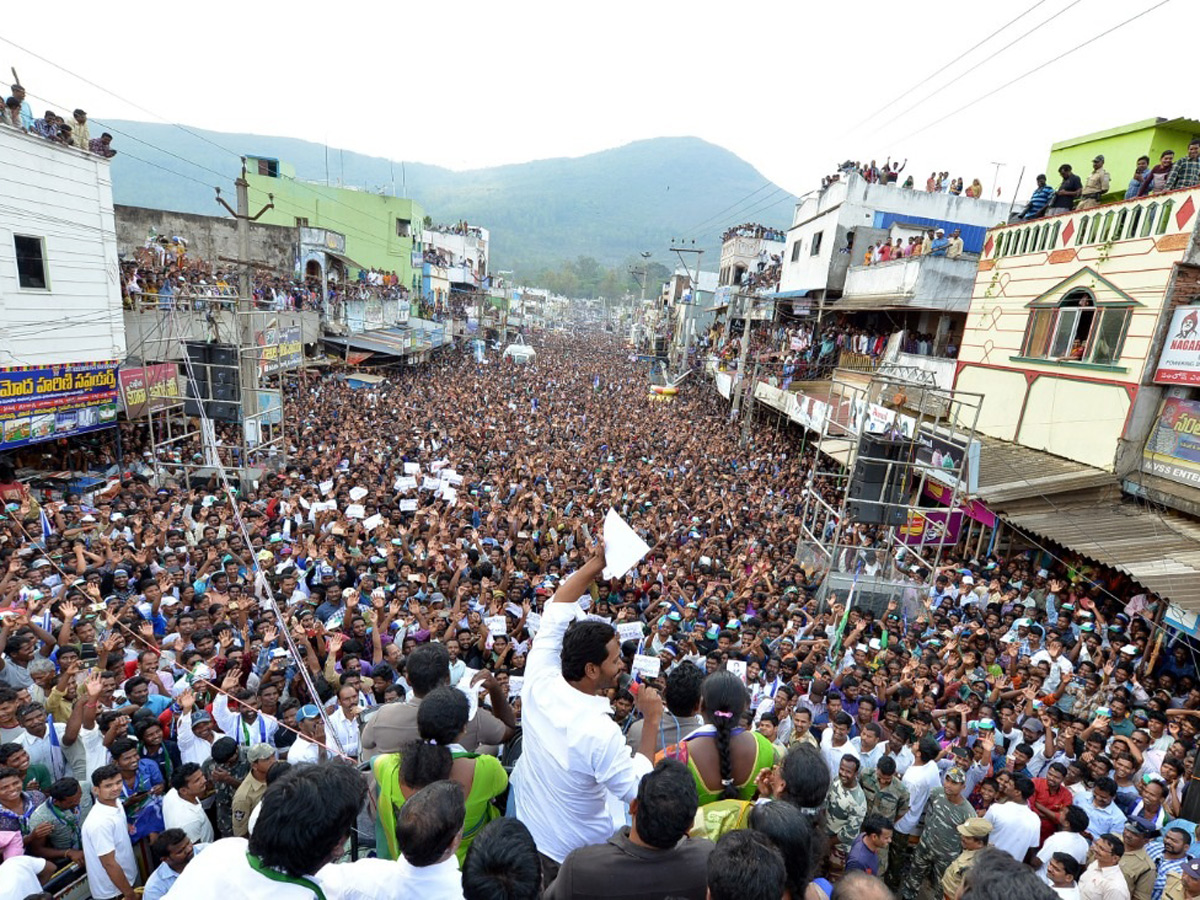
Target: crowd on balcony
458, 228
435, 257
932, 243
164, 274
889, 174
754, 230
17, 113
1076, 192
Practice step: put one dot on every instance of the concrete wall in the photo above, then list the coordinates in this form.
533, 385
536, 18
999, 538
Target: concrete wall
927, 281
208, 237
62, 196
156, 336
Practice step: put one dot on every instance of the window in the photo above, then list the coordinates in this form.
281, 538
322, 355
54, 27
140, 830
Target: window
1134, 219
1148, 224
1053, 236
1108, 220
1119, 228
815, 250
31, 262
268, 168
1082, 234
301, 221
403, 228
1165, 219
796, 250
1076, 330
1094, 233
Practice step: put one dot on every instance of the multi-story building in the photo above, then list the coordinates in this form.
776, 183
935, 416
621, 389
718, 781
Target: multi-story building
833, 230
1084, 339
62, 335
748, 249
381, 232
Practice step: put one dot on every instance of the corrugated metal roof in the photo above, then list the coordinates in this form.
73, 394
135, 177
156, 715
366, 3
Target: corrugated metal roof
1160, 550
1009, 472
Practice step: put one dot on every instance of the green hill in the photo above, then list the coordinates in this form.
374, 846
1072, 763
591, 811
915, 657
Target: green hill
609, 205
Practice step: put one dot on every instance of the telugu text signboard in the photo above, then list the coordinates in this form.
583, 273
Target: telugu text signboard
41, 403
280, 349
149, 387
1173, 448
1179, 362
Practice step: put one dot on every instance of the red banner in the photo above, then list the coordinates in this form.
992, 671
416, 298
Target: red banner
151, 387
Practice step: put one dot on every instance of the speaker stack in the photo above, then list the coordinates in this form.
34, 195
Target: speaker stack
213, 381
880, 482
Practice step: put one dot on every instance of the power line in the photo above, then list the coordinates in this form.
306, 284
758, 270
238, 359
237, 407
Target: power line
1038, 68
980, 64
929, 78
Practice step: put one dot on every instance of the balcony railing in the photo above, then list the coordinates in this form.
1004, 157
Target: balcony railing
1142, 217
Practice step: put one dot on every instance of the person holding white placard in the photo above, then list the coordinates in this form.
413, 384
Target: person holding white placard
574, 755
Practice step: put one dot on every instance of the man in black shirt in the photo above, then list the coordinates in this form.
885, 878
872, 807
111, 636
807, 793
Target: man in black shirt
1068, 192
653, 857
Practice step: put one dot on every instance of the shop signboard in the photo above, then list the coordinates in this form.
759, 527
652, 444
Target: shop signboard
148, 387
43, 403
281, 349
931, 526
942, 455
1173, 448
1179, 362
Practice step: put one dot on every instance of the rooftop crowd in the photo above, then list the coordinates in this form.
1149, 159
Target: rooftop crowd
530, 721
75, 132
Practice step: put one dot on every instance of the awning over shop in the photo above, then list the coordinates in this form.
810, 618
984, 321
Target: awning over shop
387, 342
1158, 549
787, 295
345, 260
879, 302
357, 357
1009, 472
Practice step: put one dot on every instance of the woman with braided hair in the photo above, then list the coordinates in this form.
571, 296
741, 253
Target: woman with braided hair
723, 756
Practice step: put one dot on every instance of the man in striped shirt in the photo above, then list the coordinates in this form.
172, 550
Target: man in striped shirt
1168, 854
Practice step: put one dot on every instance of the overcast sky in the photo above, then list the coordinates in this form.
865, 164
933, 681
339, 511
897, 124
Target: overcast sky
792, 87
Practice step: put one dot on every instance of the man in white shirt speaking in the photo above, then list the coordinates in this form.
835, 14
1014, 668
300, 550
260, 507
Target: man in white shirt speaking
574, 757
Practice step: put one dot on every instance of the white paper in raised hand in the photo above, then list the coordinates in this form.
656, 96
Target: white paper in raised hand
357, 493
623, 548
373, 522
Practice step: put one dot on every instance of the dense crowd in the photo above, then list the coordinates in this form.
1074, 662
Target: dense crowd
457, 678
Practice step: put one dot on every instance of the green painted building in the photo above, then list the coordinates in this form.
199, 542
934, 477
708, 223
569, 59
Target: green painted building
381, 231
1121, 148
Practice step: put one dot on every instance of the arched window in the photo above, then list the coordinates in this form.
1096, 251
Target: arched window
1024, 240
1002, 243
1081, 234
1104, 232
1148, 222
1076, 330
1094, 231
1164, 219
1119, 227
1053, 242
1135, 218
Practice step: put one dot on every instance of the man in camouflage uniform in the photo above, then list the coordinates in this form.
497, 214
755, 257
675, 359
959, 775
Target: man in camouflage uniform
886, 796
940, 840
845, 808
973, 834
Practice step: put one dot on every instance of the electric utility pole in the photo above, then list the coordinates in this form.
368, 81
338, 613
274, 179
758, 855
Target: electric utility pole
248, 361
